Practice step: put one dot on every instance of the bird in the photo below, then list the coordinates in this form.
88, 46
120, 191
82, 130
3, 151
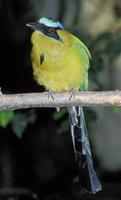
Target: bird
60, 63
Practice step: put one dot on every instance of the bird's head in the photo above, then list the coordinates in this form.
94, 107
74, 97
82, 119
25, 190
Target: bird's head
47, 26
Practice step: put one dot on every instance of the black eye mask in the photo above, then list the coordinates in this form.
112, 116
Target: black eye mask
47, 31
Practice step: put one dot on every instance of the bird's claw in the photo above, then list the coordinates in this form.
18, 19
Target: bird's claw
72, 94
0, 91
50, 94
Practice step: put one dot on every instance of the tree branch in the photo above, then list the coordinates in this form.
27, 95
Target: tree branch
32, 100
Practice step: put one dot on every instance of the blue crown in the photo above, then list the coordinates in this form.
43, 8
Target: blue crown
50, 22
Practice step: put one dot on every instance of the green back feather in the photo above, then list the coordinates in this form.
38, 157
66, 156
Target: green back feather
85, 57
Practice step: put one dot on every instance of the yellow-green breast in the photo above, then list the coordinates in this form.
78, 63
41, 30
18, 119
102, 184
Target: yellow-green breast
56, 65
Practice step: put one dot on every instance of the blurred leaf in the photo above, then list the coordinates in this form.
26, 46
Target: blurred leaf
31, 116
113, 48
97, 64
6, 117
90, 115
64, 126
60, 114
20, 122
114, 109
14, 193
103, 37
75, 179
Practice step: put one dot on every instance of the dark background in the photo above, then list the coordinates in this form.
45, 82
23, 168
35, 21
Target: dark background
36, 157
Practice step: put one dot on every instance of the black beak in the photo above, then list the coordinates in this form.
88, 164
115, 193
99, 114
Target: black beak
35, 26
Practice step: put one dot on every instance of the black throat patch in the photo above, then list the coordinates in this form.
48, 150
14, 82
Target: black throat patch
41, 58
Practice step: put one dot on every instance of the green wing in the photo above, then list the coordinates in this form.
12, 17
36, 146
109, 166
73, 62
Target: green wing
85, 57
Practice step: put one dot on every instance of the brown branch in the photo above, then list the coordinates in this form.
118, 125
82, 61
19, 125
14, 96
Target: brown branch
32, 100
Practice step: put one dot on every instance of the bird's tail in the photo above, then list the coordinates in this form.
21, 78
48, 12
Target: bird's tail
87, 175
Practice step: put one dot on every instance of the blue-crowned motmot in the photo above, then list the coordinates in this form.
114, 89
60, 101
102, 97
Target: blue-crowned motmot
60, 63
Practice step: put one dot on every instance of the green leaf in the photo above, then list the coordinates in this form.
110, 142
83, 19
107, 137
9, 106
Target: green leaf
60, 114
114, 109
20, 122
64, 126
6, 117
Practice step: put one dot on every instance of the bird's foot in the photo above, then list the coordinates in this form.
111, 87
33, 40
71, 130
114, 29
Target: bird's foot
0, 91
72, 93
50, 94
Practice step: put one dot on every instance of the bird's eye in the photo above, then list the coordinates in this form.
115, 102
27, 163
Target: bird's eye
52, 30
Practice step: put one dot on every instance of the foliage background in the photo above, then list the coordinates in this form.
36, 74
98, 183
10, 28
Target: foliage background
36, 153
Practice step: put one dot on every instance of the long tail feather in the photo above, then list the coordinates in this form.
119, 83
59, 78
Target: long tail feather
87, 175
